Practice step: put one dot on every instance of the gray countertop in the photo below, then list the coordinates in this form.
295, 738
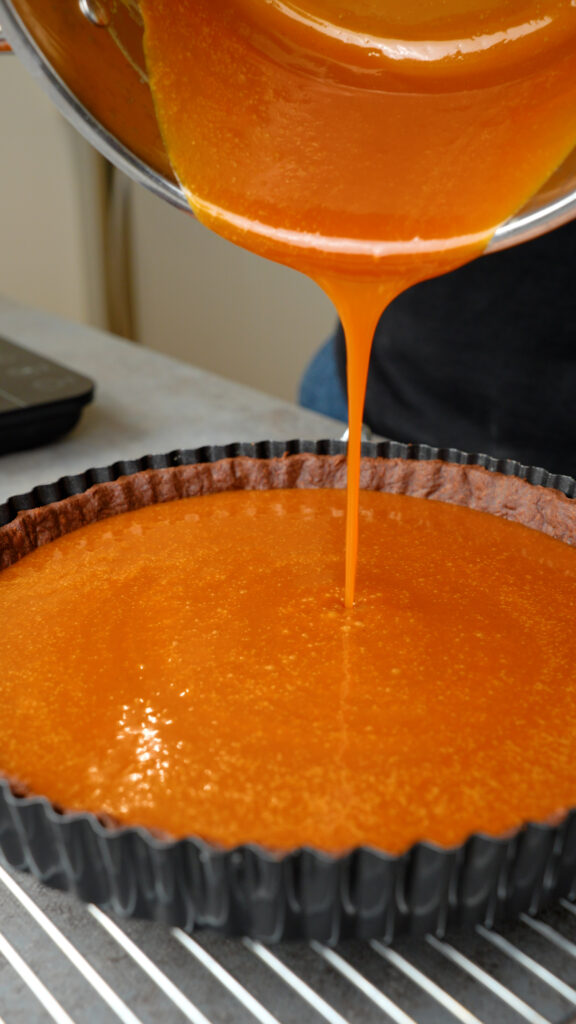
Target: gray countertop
145, 403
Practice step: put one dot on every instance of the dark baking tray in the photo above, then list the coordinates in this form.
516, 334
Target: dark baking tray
304, 893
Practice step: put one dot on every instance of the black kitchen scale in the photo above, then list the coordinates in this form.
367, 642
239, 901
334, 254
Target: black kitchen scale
40, 400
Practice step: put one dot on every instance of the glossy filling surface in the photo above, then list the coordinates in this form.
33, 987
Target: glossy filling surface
190, 667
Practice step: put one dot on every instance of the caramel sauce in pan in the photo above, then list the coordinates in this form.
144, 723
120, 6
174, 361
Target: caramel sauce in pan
103, 67
370, 145
157, 666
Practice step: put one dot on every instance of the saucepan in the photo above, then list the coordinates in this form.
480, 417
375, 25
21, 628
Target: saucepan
88, 56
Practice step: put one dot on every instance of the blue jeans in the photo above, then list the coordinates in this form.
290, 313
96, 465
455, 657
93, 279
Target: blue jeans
321, 388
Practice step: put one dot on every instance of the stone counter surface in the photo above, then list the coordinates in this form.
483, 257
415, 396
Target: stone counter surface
145, 403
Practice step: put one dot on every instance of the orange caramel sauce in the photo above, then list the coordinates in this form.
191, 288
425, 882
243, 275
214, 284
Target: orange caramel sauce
189, 667
370, 145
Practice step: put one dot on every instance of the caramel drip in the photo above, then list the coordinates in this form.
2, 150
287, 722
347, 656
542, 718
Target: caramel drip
369, 149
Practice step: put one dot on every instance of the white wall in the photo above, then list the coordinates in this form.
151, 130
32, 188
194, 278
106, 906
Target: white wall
49, 245
206, 301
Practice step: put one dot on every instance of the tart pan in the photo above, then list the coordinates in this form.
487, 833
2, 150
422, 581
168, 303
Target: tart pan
303, 893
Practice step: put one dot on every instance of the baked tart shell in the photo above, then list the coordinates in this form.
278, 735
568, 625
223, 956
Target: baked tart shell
303, 893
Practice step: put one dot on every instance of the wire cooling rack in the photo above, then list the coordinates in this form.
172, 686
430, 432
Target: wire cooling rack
66, 962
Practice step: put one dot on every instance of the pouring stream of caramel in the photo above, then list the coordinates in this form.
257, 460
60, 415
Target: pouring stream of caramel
369, 145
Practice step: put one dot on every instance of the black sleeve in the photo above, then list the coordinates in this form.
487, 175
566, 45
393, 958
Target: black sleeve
484, 358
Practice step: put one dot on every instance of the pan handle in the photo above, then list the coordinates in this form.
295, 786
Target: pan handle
96, 12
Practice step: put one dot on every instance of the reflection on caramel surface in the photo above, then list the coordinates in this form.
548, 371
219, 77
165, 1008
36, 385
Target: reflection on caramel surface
190, 667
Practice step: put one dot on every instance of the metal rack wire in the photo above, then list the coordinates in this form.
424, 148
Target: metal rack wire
73, 964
